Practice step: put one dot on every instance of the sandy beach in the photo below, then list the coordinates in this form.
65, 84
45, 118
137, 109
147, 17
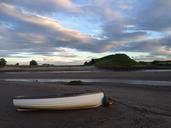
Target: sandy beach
134, 106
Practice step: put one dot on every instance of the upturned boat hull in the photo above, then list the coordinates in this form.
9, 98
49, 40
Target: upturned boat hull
83, 101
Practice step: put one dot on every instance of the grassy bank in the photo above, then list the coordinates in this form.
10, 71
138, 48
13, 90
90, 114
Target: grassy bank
124, 62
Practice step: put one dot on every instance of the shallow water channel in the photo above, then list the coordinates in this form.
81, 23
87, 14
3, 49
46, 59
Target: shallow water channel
123, 81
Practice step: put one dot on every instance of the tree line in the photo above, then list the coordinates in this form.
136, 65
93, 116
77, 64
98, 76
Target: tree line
3, 63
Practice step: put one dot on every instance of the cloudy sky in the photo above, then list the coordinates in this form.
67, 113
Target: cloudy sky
73, 31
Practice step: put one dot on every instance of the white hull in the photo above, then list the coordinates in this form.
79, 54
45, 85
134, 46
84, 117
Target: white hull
90, 100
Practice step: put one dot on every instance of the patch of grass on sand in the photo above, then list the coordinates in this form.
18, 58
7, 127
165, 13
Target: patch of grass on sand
75, 82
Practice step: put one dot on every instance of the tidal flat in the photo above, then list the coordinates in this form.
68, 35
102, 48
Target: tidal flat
135, 105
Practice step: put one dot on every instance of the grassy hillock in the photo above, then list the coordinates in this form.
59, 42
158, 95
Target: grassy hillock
113, 61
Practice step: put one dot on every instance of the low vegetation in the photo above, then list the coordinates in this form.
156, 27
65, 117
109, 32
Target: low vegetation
75, 82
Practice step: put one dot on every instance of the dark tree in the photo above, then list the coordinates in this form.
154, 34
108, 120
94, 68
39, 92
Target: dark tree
91, 62
155, 62
86, 63
33, 63
17, 64
3, 62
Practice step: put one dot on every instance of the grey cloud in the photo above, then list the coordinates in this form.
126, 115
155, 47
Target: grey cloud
153, 14
153, 47
35, 31
45, 6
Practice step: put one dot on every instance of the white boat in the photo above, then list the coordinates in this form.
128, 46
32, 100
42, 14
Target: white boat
81, 101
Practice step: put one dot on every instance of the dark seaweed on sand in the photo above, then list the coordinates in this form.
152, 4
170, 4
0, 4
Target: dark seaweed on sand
75, 82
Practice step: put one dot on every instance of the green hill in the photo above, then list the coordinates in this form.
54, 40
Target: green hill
113, 61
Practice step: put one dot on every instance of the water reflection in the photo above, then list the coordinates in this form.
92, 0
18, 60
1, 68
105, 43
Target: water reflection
156, 70
27, 72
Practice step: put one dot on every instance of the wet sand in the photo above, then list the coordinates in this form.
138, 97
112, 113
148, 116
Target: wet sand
134, 107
